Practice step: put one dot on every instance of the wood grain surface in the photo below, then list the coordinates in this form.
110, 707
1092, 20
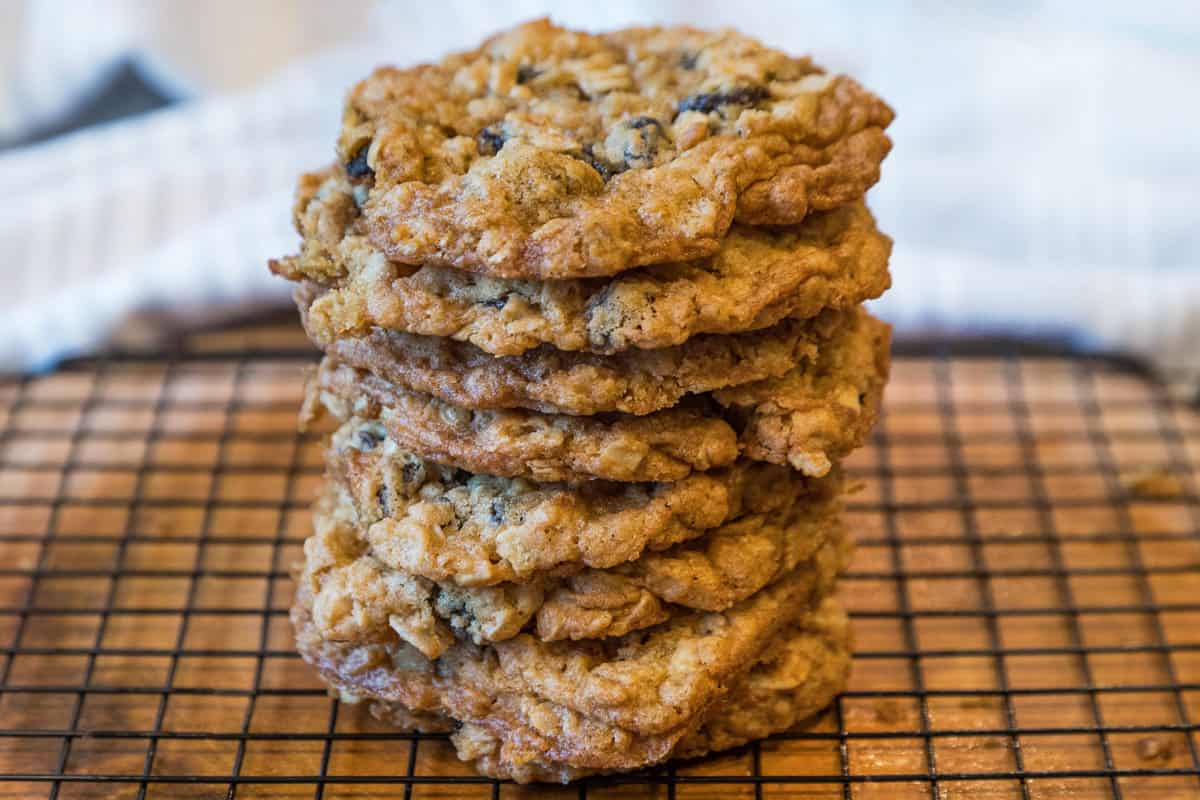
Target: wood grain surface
1026, 595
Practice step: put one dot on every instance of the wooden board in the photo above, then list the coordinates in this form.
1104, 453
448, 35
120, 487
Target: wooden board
1026, 596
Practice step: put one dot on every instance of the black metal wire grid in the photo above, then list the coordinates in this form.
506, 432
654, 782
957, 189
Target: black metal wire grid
1026, 595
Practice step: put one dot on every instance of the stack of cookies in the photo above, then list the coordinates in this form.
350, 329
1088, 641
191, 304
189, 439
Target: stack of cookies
590, 306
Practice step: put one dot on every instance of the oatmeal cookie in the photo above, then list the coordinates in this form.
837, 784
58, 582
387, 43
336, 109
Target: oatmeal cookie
359, 595
554, 382
790, 684
445, 524
806, 418
712, 573
549, 153
759, 276
601, 705
790, 420
665, 446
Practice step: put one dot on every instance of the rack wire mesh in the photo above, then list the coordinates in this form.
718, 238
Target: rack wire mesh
1026, 594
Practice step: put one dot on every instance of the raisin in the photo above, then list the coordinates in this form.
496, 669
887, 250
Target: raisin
599, 338
358, 167
589, 157
496, 302
708, 102
410, 471
600, 298
641, 122
452, 607
605, 169
381, 497
526, 73
688, 60
490, 140
496, 511
642, 141
368, 438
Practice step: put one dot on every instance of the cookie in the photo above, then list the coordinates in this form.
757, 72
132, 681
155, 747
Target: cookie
806, 418
600, 705
791, 420
758, 276
790, 684
665, 446
359, 595
549, 153
724, 567
357, 598
554, 382
445, 524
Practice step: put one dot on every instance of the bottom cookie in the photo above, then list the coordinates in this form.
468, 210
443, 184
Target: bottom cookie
791, 683
556, 711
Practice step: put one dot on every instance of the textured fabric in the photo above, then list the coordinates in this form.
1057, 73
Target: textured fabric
1043, 180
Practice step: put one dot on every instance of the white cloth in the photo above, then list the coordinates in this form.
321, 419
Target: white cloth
1044, 180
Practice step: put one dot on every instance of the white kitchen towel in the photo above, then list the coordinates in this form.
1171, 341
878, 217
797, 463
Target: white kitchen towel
1044, 180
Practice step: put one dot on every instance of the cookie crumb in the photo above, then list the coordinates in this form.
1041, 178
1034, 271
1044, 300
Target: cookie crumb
1151, 748
888, 712
1158, 482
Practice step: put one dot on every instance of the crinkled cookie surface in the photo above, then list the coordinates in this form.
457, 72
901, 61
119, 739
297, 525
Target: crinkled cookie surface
361, 595
808, 417
537, 711
791, 683
758, 276
552, 381
549, 153
446, 524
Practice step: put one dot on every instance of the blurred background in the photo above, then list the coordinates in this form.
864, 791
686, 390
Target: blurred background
1044, 183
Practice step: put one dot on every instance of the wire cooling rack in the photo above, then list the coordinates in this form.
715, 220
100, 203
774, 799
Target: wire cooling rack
1026, 594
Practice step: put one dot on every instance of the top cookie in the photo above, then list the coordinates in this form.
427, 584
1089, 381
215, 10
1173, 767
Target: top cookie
549, 153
